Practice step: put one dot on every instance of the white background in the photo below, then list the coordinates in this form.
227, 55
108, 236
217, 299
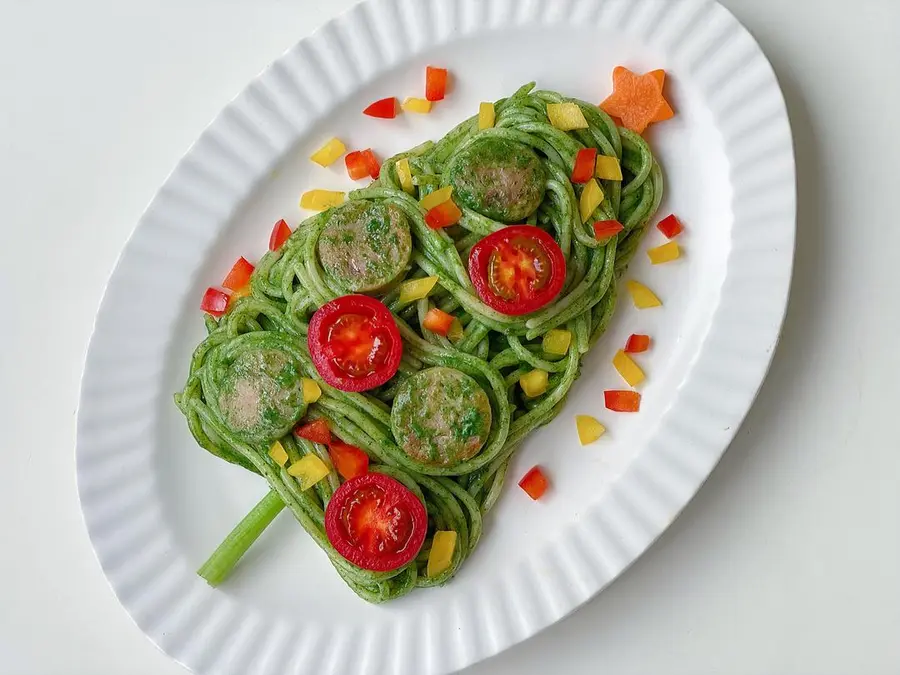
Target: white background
788, 561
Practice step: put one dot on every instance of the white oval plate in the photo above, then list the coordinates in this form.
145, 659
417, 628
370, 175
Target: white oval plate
156, 505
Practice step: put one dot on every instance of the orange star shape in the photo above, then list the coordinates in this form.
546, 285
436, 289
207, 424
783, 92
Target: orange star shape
638, 100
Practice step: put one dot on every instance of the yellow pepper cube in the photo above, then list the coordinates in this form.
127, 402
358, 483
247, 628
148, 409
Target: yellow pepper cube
608, 168
311, 390
487, 116
591, 197
557, 342
534, 383
417, 105
319, 200
641, 296
589, 429
566, 116
278, 453
410, 291
441, 556
665, 253
329, 153
404, 175
309, 470
628, 369
437, 197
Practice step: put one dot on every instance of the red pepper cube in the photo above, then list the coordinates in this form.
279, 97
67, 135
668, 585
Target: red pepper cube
280, 234
385, 108
622, 401
585, 163
605, 229
443, 215
670, 226
435, 83
637, 344
239, 276
438, 321
316, 431
357, 164
534, 483
349, 460
372, 164
214, 302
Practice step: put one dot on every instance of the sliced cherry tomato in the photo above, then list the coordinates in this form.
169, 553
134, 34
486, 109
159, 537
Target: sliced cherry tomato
435, 83
622, 401
637, 344
239, 276
349, 460
438, 321
362, 163
316, 431
214, 302
670, 226
535, 483
376, 522
517, 270
605, 229
585, 163
280, 234
385, 108
354, 343
443, 215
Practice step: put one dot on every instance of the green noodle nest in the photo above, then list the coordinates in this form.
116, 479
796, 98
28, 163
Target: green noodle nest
495, 351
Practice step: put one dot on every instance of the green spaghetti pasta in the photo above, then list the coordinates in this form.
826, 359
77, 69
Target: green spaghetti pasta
258, 350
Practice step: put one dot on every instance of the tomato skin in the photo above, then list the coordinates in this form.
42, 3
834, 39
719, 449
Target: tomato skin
399, 512
480, 260
379, 323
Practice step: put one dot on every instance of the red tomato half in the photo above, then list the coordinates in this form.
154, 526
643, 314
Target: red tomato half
354, 343
376, 522
518, 269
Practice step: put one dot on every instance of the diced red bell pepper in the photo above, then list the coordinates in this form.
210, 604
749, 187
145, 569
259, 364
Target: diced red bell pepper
362, 163
349, 460
239, 276
670, 226
435, 83
444, 214
585, 163
535, 483
622, 401
214, 302
637, 344
316, 431
605, 229
280, 234
438, 321
386, 108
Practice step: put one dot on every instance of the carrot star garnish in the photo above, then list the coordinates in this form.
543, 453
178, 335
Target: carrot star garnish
638, 99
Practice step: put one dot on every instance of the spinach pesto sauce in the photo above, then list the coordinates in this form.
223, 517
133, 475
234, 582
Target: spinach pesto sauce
441, 416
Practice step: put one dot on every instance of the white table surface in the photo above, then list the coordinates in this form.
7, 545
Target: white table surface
788, 561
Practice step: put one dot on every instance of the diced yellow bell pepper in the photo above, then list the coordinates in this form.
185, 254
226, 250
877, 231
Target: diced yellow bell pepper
417, 105
329, 153
628, 369
404, 175
442, 547
608, 168
642, 297
456, 332
487, 116
665, 253
319, 200
278, 453
309, 469
534, 383
566, 116
591, 197
589, 429
557, 342
311, 390
416, 289
429, 201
